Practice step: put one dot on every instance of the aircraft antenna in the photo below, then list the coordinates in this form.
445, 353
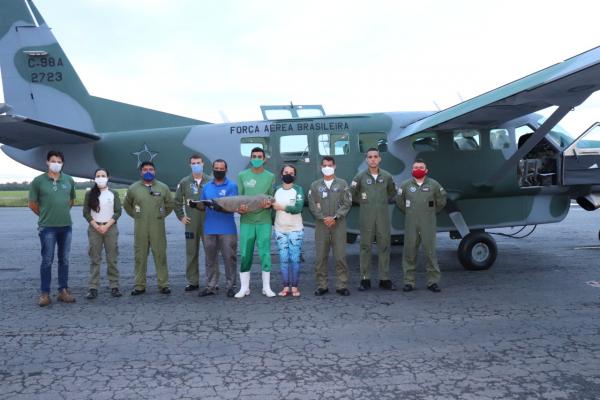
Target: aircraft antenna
436, 105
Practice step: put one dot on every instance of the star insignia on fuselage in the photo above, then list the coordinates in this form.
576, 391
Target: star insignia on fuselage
145, 154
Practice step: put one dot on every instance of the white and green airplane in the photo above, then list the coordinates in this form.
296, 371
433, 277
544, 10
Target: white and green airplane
502, 164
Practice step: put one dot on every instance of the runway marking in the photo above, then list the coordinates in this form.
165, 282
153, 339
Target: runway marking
595, 284
588, 248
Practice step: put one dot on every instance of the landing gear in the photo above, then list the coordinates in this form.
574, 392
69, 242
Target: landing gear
477, 251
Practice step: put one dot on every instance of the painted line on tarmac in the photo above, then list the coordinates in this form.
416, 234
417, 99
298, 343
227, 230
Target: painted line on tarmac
595, 284
588, 248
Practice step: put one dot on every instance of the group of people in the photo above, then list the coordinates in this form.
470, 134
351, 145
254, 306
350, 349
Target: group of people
278, 213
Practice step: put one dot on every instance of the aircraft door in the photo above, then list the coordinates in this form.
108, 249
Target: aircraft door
581, 160
298, 150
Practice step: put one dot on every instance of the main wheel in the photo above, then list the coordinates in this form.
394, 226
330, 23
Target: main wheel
477, 251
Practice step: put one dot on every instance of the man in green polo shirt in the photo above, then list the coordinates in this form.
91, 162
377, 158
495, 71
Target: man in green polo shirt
255, 226
51, 197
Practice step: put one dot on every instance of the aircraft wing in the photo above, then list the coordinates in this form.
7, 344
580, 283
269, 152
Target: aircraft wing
567, 83
24, 133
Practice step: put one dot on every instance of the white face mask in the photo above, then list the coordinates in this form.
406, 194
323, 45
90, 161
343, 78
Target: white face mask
101, 182
55, 167
328, 171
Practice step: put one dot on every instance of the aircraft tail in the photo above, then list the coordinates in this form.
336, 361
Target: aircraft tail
40, 82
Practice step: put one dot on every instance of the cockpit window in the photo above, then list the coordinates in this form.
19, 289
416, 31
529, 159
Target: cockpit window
499, 139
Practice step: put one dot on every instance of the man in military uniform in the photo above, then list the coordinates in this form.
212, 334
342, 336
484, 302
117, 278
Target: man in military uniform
330, 200
149, 201
420, 198
190, 188
373, 189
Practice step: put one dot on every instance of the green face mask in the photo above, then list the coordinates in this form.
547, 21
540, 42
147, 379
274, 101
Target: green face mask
257, 162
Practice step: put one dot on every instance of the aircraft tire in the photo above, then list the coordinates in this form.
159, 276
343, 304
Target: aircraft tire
477, 251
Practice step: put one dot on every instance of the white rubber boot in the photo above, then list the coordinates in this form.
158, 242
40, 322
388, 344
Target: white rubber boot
244, 285
266, 278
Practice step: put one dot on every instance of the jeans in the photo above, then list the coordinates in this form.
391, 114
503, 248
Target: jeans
290, 246
49, 238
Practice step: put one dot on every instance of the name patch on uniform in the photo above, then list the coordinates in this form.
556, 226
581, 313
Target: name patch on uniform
407, 203
425, 189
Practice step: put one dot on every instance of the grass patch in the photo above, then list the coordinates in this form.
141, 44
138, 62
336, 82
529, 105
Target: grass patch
19, 198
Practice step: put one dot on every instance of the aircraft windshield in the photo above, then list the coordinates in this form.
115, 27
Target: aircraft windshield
559, 136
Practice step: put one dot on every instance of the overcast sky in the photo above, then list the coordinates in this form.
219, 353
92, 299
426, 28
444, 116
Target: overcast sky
197, 58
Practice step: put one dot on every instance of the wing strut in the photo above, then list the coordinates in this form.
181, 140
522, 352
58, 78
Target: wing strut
537, 136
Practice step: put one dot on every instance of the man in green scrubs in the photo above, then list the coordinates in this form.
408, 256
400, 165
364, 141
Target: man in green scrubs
149, 201
255, 227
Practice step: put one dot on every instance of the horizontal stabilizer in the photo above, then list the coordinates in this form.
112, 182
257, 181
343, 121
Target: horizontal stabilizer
23, 133
564, 84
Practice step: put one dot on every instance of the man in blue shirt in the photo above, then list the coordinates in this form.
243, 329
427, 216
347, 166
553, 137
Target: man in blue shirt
220, 232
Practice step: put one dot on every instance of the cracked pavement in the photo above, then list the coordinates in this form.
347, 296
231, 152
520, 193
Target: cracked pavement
529, 328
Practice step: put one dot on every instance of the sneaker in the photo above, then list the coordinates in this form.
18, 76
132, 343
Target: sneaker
206, 292
44, 300
92, 294
65, 296
137, 292
115, 292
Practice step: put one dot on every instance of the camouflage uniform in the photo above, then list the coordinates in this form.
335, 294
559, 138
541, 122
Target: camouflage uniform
420, 204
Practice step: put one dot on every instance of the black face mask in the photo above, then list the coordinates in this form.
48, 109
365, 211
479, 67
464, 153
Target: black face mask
288, 178
219, 174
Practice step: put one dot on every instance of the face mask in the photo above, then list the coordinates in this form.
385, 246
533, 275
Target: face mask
55, 167
197, 169
419, 173
257, 162
148, 176
288, 178
101, 182
327, 171
219, 175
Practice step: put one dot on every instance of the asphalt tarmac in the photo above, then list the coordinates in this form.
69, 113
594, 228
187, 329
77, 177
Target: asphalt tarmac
529, 328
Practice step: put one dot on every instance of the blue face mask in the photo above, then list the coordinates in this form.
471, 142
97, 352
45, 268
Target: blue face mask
148, 176
197, 168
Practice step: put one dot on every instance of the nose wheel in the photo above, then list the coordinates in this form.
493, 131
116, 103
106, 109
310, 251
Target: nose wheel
477, 251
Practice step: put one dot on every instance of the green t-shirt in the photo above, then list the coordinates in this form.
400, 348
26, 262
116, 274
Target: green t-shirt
251, 184
54, 199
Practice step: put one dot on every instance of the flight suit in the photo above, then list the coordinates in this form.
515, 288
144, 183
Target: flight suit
374, 195
149, 206
188, 189
420, 204
328, 202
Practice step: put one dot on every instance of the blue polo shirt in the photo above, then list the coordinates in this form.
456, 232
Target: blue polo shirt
217, 222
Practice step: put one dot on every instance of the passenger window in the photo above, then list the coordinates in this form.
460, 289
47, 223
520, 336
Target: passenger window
426, 141
499, 139
248, 143
377, 140
278, 114
309, 112
293, 145
334, 144
466, 139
